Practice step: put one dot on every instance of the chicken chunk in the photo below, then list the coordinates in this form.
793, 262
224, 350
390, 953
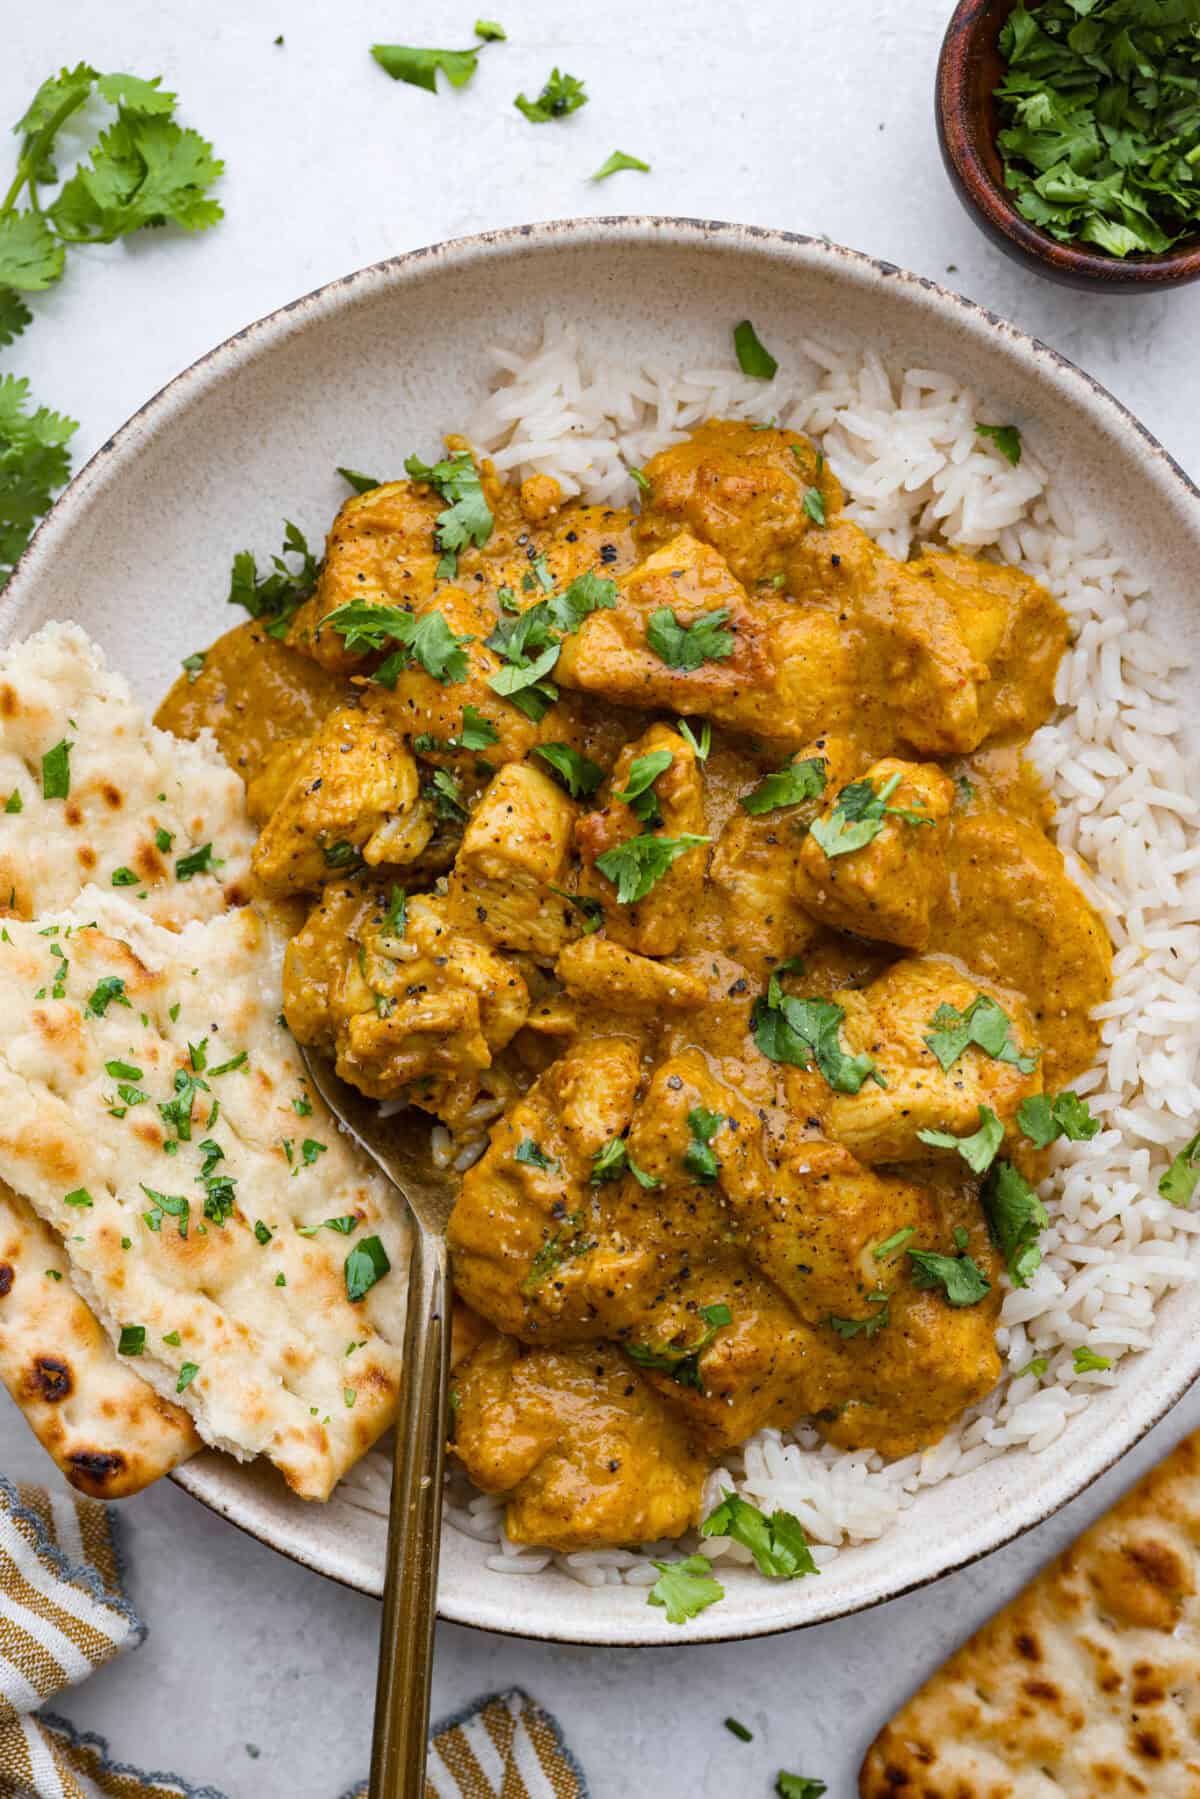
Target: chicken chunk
741, 488
1010, 622
653, 924
380, 552
815, 1228
597, 973
515, 851
892, 1020
587, 1453
529, 1247
874, 862
754, 862
1016, 918
417, 1011
353, 796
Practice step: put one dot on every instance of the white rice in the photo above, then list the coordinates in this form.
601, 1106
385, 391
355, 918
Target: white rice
914, 468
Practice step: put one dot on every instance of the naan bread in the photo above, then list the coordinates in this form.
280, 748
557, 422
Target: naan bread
286, 1363
1087, 1685
108, 1431
140, 800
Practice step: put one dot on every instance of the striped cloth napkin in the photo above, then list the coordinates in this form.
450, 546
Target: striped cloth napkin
63, 1613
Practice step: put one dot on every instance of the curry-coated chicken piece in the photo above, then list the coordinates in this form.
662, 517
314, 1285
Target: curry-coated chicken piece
874, 861
668, 803
600, 974
815, 1228
751, 492
1013, 625
418, 1011
354, 795
254, 694
526, 1240
587, 1453
917, 677
380, 551
893, 1021
564, 544
1016, 918
754, 861
516, 851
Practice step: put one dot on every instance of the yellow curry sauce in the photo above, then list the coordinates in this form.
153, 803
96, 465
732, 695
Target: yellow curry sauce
706, 981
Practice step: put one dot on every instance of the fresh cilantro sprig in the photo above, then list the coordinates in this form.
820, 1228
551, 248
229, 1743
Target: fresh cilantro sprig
787, 786
685, 1588
34, 460
637, 865
700, 1159
578, 774
985, 1024
1015, 1218
859, 814
529, 643
753, 356
1006, 438
277, 595
423, 638
961, 1279
688, 647
467, 518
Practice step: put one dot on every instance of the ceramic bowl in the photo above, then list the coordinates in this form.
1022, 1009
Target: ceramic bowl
138, 550
968, 120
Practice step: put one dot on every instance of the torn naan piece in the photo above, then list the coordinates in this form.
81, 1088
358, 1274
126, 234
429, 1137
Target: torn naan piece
109, 1433
90, 790
1087, 1684
155, 1111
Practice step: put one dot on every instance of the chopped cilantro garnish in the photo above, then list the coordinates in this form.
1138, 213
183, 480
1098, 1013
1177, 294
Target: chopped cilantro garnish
814, 505
1043, 1119
613, 1159
893, 1243
238, 1061
685, 1588
14, 802
534, 1156
700, 1159
561, 95
132, 1340
611, 166
357, 480
277, 596
56, 763
107, 991
978, 1150
310, 1149
638, 793
578, 774
467, 518
1088, 1362
124, 877
366, 1264
859, 814
123, 1071
961, 1279
689, 646
79, 1197
700, 746
197, 862
788, 786
174, 1205
869, 1325
682, 1363
194, 664
736, 1728
1178, 1183
984, 1024
590, 910
1006, 438
427, 639
753, 357
560, 1246
1039, 1366
1015, 1216
478, 732
636, 865
803, 1031
262, 1232
187, 1374
797, 1786
419, 68
777, 1543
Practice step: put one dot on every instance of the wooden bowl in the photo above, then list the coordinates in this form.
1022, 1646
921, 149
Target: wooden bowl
968, 119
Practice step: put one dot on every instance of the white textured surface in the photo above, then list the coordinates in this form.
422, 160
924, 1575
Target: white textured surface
332, 166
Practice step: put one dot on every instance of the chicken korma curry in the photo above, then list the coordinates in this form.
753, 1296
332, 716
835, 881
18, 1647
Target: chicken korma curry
693, 852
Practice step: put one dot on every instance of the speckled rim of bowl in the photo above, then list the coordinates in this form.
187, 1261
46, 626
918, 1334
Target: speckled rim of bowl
966, 122
207, 1479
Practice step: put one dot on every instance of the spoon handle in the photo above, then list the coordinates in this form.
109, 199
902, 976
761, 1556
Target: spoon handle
414, 1531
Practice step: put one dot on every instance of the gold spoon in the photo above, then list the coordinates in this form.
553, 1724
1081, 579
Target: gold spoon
399, 1147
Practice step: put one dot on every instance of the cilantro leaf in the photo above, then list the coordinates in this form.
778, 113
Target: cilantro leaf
777, 1543
682, 1364
1043, 1119
419, 68
753, 357
490, 31
107, 991
561, 95
638, 793
1178, 1184
872, 1324
31, 257
1088, 1362
961, 1279
34, 462
985, 1024
367, 1263
14, 316
534, 1156
478, 732
801, 1031
277, 595
425, 639
358, 481
612, 1160
578, 774
978, 1150
468, 517
796, 1786
700, 1158
132, 1340
144, 170
635, 866
859, 814
689, 646
814, 505
788, 786
56, 771
1006, 438
699, 746
612, 165
685, 1588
